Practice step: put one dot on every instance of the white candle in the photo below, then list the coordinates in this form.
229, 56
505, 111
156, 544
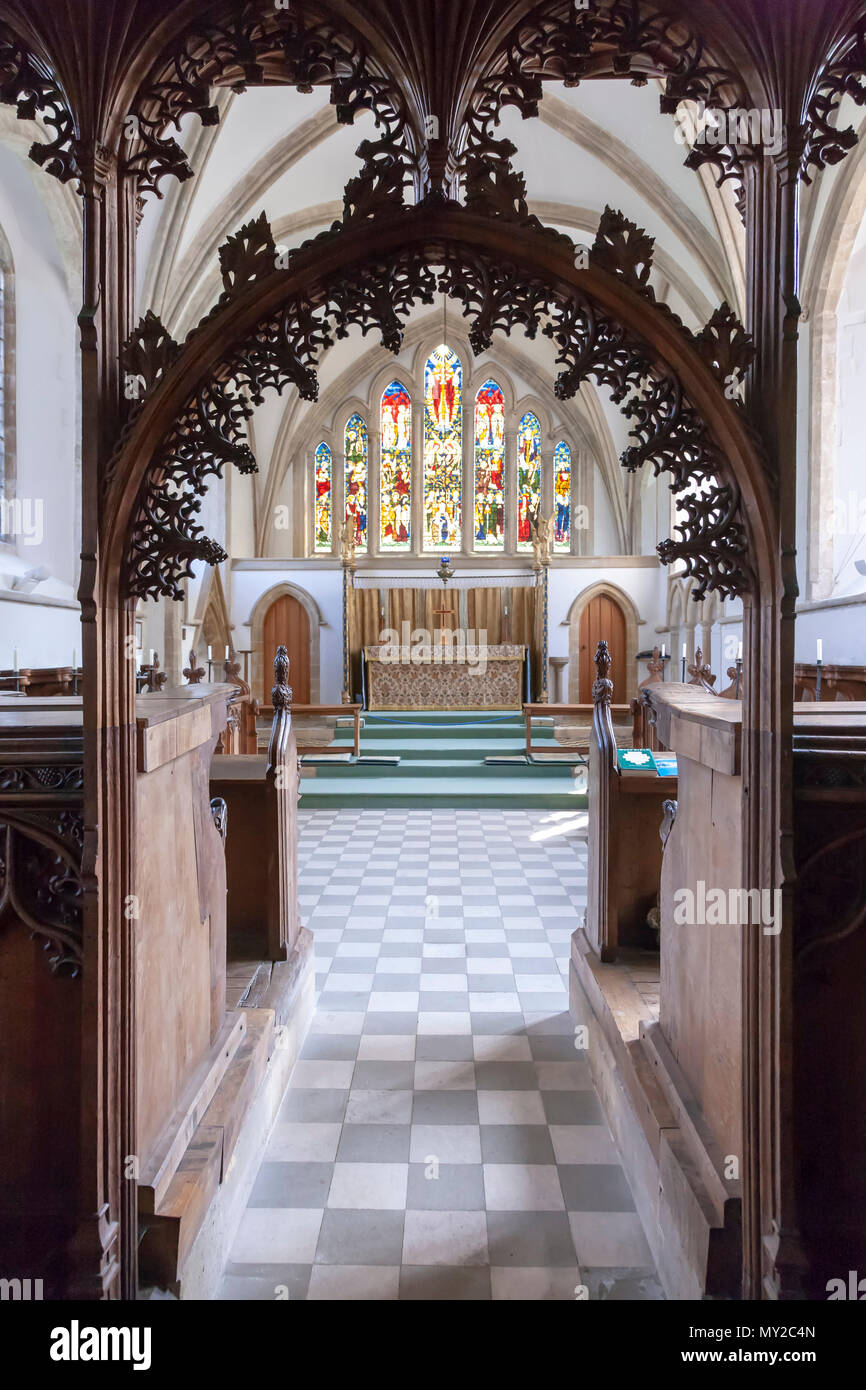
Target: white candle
152, 655
74, 659
740, 652
820, 650
664, 653
227, 653
684, 651
15, 660
506, 610
210, 653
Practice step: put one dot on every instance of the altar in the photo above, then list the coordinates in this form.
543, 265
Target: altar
445, 676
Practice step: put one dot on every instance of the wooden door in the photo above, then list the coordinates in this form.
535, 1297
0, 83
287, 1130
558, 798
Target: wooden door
287, 625
601, 620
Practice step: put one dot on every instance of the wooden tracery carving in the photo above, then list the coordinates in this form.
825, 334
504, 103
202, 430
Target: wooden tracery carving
377, 295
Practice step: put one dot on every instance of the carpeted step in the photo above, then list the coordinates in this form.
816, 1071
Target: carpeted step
411, 748
514, 792
445, 767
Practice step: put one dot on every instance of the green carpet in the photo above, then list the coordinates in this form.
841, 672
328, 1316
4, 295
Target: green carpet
442, 765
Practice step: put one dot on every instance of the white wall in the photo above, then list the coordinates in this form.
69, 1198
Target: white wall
325, 587
46, 399
645, 586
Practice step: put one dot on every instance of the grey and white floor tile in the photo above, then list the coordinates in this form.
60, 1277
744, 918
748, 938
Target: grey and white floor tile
440, 1137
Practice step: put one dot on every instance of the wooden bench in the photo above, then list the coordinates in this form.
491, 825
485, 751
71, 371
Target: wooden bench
626, 816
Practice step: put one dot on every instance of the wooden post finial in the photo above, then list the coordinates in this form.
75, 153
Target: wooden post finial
281, 695
602, 686
194, 673
155, 678
701, 674
232, 668
655, 670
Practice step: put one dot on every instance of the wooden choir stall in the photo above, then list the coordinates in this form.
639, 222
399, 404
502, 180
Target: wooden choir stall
670, 1067
224, 979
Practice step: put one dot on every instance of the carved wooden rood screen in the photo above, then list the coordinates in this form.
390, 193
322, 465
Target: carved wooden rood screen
161, 417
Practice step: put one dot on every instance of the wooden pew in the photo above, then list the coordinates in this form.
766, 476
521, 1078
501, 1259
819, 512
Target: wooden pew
838, 683
261, 797
829, 967
191, 1184
566, 713
626, 812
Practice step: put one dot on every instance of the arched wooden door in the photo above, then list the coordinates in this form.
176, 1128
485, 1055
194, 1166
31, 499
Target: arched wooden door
287, 625
602, 620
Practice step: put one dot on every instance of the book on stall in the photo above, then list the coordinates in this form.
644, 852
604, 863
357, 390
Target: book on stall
665, 764
634, 760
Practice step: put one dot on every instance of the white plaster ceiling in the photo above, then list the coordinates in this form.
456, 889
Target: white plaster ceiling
283, 151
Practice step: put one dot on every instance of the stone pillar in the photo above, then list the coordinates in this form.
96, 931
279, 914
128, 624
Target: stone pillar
374, 473
172, 642
509, 490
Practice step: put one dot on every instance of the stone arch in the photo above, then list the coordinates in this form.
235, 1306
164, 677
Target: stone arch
260, 670
633, 622
834, 245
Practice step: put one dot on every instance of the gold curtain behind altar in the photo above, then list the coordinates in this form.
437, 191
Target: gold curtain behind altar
368, 616
433, 599
523, 627
401, 609
484, 608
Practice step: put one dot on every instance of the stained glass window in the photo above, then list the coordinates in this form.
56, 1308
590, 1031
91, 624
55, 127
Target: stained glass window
489, 456
323, 497
396, 467
562, 497
528, 478
443, 449
356, 446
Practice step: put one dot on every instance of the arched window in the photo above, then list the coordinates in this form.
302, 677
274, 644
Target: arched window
443, 450
395, 488
356, 450
489, 457
324, 509
562, 496
528, 478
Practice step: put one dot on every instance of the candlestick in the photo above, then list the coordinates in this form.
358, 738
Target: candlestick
818, 666
684, 664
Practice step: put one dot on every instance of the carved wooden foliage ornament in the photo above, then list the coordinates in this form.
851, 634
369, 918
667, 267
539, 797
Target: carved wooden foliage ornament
497, 296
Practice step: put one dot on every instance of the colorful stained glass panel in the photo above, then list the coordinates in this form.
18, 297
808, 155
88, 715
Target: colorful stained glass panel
528, 478
443, 450
562, 497
489, 459
396, 468
356, 447
323, 497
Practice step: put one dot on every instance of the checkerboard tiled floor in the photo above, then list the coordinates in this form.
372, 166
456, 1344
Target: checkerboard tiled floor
441, 1137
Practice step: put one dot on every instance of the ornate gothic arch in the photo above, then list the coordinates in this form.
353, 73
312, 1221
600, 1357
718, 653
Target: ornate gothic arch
272, 322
